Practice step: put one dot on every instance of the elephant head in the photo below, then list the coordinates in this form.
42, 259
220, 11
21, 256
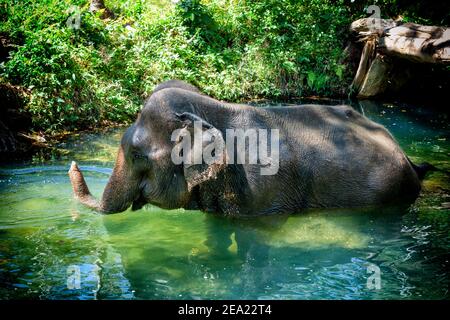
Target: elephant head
144, 171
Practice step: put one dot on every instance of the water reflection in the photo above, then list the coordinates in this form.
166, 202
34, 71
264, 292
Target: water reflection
314, 255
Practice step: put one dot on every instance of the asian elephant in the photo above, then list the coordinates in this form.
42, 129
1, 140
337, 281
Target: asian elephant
328, 157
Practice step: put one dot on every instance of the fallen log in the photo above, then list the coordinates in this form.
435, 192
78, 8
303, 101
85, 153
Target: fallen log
388, 38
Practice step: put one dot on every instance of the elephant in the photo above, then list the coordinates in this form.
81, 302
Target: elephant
328, 157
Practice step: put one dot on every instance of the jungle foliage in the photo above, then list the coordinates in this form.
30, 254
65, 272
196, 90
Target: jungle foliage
231, 49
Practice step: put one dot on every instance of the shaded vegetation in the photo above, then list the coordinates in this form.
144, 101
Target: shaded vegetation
235, 50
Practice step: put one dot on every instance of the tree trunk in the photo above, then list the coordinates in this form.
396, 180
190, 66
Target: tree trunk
387, 38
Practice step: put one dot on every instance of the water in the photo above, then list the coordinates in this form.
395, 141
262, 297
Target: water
53, 248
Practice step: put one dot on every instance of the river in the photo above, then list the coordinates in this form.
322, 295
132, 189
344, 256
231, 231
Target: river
53, 248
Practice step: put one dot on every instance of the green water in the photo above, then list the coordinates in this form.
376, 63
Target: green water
159, 254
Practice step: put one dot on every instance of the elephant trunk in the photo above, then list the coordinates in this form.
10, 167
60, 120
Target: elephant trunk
119, 192
80, 188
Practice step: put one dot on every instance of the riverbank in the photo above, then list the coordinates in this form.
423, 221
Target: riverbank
42, 146
53, 146
39, 147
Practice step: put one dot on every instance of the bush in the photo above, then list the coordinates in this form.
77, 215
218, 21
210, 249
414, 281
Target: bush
233, 50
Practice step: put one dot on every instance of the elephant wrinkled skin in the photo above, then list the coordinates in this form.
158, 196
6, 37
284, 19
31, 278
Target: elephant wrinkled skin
329, 156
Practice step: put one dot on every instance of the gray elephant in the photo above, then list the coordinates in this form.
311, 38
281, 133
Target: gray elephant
328, 157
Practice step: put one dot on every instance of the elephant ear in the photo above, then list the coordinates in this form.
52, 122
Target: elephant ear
207, 155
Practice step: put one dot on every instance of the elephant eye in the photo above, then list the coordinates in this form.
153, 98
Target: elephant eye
138, 156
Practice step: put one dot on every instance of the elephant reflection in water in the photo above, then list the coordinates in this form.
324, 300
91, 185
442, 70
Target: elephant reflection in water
250, 236
266, 264
245, 257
